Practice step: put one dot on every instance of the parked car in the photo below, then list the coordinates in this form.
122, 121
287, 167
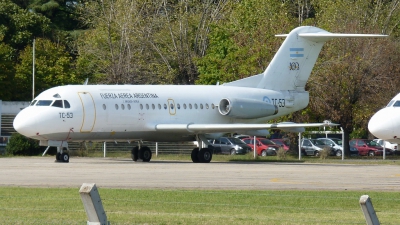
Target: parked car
335, 143
229, 145
313, 147
283, 143
264, 146
388, 145
367, 147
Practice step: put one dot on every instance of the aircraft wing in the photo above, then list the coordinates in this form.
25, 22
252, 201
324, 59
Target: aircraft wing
217, 128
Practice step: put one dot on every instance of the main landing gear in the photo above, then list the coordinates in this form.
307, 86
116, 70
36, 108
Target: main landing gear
203, 155
62, 156
142, 153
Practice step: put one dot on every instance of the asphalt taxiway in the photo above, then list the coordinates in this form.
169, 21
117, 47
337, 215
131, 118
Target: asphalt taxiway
124, 173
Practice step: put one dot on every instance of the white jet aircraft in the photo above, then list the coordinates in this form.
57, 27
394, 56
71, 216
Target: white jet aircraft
385, 124
77, 113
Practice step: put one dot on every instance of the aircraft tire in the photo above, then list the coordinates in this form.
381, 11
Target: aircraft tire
194, 155
135, 153
145, 154
58, 156
65, 157
205, 155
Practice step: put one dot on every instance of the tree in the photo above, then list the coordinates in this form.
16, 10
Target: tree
20, 145
145, 41
53, 65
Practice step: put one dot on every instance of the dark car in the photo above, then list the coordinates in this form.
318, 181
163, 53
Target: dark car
264, 146
366, 147
229, 145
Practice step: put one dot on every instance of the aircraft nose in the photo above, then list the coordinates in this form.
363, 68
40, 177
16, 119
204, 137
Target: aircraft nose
382, 124
24, 124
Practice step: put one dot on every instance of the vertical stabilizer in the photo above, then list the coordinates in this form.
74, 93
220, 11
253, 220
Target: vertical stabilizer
292, 64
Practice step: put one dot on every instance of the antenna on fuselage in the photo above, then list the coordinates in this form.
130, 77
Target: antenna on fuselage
86, 81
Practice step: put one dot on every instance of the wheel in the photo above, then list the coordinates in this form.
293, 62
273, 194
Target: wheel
263, 153
135, 153
371, 153
58, 156
65, 157
145, 154
194, 155
316, 153
338, 153
204, 155
233, 152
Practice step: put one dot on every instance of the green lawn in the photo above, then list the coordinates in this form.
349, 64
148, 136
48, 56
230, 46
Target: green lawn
130, 206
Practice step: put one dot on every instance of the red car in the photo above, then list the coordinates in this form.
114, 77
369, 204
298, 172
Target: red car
264, 146
366, 147
282, 143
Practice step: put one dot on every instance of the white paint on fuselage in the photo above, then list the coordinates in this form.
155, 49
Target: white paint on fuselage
125, 112
385, 124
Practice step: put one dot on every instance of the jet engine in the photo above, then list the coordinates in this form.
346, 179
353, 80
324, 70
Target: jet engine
246, 108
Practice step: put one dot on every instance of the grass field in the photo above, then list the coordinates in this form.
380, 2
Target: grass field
123, 206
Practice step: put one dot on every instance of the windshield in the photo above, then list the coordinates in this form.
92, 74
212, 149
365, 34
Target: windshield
317, 142
372, 143
44, 102
396, 104
267, 142
236, 141
337, 141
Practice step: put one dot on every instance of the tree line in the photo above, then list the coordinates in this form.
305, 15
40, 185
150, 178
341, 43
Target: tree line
202, 42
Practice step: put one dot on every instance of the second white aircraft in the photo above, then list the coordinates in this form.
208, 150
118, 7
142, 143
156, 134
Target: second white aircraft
76, 113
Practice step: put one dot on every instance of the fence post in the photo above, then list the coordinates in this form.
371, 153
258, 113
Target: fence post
368, 210
93, 206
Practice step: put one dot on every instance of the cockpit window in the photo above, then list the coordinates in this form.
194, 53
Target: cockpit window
390, 103
33, 102
44, 103
396, 104
57, 103
66, 104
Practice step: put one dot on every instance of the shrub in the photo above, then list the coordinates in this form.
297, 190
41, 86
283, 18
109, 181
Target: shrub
21, 145
324, 153
281, 154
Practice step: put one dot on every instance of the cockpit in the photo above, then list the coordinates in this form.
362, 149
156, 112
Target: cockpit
394, 103
53, 103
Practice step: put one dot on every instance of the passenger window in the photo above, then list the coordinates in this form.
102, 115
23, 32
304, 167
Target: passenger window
171, 106
178, 106
44, 103
159, 106
104, 106
165, 106
66, 104
190, 106
201, 106
129, 106
153, 106
57, 103
206, 106
147, 106
212, 106
141, 106
195, 105
116, 106
122, 106
184, 105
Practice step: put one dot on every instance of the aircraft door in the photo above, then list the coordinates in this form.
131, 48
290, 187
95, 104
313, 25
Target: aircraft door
89, 112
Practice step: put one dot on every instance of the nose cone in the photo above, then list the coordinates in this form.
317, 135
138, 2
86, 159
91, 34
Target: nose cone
24, 123
384, 124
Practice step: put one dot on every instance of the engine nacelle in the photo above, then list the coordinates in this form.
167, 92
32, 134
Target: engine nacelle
246, 108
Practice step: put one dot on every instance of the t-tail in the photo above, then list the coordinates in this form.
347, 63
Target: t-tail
292, 64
